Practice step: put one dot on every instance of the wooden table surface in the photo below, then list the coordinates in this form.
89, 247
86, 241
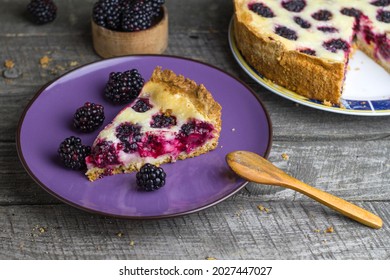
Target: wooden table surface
347, 156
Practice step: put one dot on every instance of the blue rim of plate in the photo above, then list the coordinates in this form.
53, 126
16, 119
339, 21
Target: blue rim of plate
351, 107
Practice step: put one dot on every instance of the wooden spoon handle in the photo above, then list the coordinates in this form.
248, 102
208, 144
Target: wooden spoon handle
340, 205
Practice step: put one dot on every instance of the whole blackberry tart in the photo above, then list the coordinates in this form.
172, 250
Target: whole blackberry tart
305, 45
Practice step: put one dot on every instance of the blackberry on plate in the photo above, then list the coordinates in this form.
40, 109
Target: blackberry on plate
42, 11
88, 117
137, 16
73, 153
150, 177
124, 87
108, 13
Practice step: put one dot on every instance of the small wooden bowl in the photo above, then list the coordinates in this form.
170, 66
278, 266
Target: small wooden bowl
154, 40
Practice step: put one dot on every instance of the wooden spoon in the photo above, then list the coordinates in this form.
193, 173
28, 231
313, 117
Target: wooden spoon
255, 168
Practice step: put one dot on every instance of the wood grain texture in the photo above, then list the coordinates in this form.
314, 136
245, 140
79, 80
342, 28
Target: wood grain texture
347, 156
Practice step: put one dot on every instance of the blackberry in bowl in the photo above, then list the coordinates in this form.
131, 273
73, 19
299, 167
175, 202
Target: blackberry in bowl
123, 27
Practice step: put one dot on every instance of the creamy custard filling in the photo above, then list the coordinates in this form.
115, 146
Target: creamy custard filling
171, 126
323, 28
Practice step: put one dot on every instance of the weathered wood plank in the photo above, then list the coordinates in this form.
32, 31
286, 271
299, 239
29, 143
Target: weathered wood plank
353, 170
234, 229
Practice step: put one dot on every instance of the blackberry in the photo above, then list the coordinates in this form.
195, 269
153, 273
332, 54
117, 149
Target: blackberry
108, 13
351, 12
142, 105
308, 51
383, 16
137, 16
104, 154
129, 134
334, 45
150, 177
89, 117
381, 3
286, 33
42, 11
322, 15
262, 10
156, 7
302, 23
327, 29
163, 121
294, 5
124, 87
73, 153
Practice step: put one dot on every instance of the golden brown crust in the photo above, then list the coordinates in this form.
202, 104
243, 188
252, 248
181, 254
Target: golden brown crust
198, 95
290, 69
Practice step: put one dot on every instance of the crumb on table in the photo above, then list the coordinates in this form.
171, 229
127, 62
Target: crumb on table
44, 61
210, 258
329, 230
285, 156
262, 208
73, 63
8, 63
119, 234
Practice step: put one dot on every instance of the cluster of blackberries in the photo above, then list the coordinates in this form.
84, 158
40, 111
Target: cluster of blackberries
42, 11
127, 15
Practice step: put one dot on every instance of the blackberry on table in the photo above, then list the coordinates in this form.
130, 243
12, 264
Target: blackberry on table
150, 177
73, 153
88, 117
124, 87
42, 11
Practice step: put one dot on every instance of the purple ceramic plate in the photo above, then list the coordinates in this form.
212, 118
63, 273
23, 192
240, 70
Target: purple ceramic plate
192, 185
